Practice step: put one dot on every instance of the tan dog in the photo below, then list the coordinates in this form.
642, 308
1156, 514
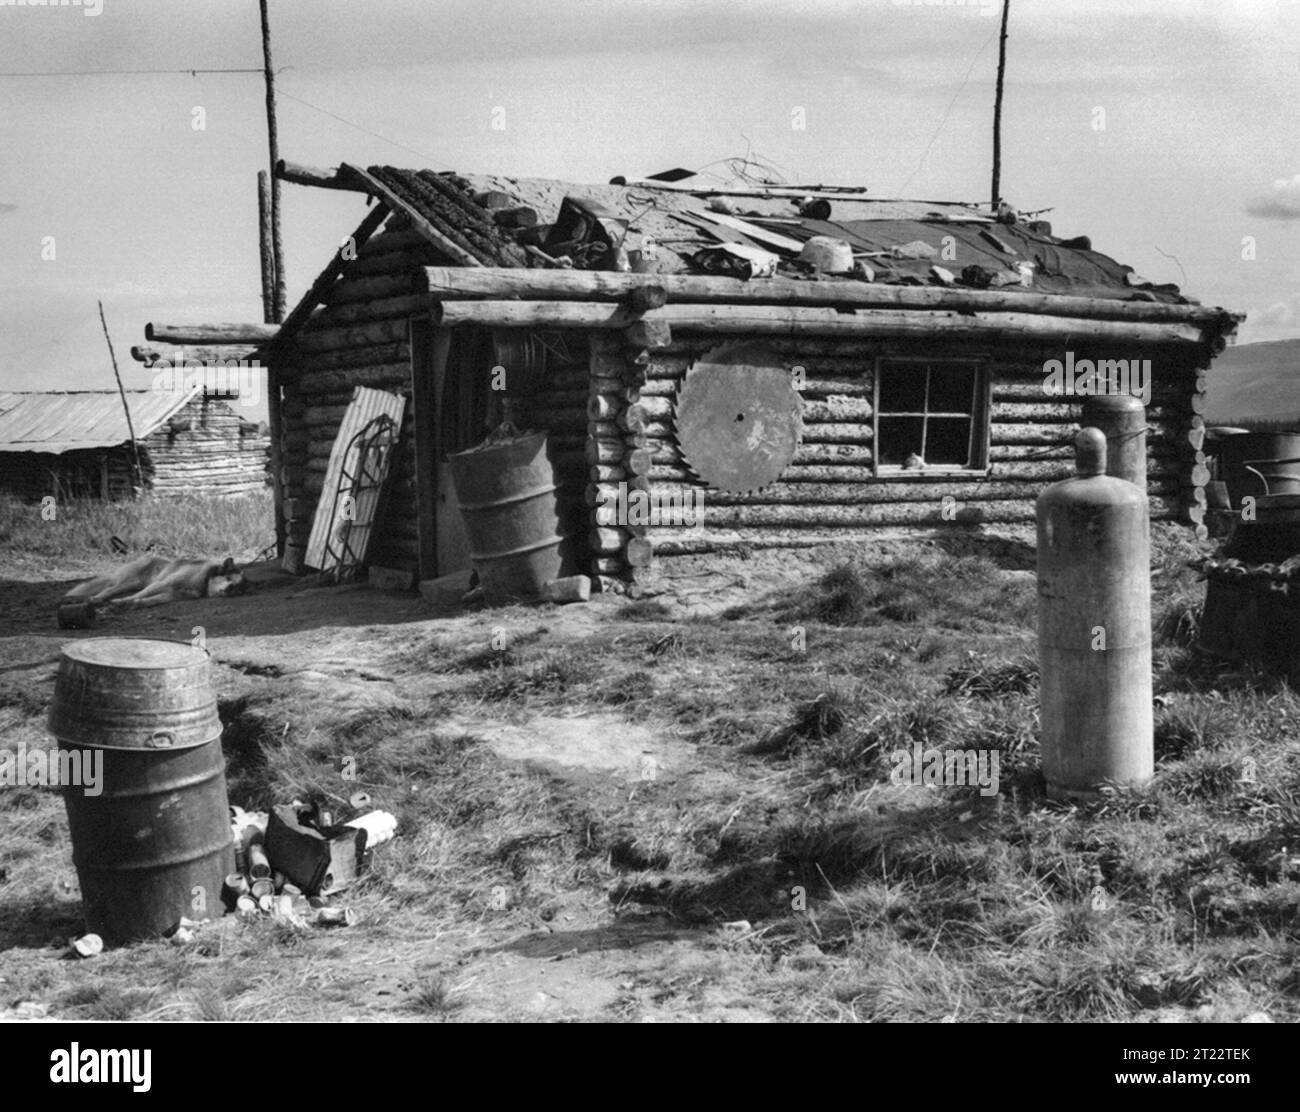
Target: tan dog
155, 580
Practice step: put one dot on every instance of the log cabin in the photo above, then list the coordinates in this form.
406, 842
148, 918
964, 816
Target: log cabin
648, 327
77, 444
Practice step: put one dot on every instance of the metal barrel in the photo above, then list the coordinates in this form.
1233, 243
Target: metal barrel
1123, 419
507, 496
1260, 463
153, 845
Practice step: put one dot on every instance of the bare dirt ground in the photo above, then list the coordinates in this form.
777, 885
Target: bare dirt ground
336, 646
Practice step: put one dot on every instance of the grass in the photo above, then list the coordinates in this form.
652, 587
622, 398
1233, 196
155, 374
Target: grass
866, 900
195, 525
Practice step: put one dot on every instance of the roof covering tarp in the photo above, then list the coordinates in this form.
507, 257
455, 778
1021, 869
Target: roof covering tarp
69, 421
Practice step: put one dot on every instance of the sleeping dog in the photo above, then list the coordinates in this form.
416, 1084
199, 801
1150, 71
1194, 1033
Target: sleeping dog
155, 580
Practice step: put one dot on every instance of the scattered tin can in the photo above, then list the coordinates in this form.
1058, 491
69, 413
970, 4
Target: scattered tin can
234, 886
262, 887
88, 946
258, 866
266, 903
246, 905
335, 917
76, 615
359, 800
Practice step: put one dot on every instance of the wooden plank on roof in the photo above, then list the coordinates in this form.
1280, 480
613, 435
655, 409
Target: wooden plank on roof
418, 222
753, 231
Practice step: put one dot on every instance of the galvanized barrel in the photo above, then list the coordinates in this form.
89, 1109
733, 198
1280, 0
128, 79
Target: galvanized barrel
507, 496
153, 845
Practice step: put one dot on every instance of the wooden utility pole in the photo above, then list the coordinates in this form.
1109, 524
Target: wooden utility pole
273, 143
130, 426
997, 111
266, 246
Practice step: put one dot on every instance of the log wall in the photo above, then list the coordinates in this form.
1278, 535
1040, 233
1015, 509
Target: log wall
360, 337
207, 448
607, 404
204, 448
830, 491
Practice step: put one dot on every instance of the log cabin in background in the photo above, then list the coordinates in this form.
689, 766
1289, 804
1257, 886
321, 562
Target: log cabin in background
76, 444
920, 375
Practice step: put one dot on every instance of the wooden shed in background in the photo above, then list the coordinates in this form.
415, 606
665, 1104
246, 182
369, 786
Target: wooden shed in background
600, 301
75, 443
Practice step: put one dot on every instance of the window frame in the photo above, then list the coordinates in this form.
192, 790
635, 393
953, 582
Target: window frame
981, 406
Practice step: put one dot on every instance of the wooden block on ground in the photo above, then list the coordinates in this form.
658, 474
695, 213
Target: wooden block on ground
572, 588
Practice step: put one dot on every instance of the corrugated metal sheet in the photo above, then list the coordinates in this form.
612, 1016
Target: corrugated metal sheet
69, 421
366, 405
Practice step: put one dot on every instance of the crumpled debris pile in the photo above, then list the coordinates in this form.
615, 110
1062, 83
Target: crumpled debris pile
290, 860
1282, 578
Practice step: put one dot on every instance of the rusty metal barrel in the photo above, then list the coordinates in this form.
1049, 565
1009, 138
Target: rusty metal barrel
151, 842
1094, 629
507, 495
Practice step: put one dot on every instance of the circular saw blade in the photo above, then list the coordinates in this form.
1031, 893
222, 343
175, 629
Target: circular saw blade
738, 418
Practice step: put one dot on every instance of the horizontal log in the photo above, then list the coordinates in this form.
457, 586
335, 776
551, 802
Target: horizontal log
353, 336
337, 178
376, 376
793, 320
610, 286
352, 312
814, 433
349, 290
210, 333
372, 355
837, 408
191, 356
797, 495
406, 261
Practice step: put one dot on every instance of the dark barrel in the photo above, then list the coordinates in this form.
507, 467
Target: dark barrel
507, 496
154, 845
1273, 455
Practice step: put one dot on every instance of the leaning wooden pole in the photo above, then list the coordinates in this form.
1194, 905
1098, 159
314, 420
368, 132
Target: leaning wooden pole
130, 426
273, 143
996, 197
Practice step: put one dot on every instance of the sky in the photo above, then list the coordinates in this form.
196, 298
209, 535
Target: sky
1166, 130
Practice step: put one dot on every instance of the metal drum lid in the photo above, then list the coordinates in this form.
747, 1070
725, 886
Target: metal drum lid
133, 693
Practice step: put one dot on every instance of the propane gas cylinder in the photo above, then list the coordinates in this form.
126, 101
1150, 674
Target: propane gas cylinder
1094, 628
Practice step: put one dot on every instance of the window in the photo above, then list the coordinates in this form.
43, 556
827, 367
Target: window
930, 412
